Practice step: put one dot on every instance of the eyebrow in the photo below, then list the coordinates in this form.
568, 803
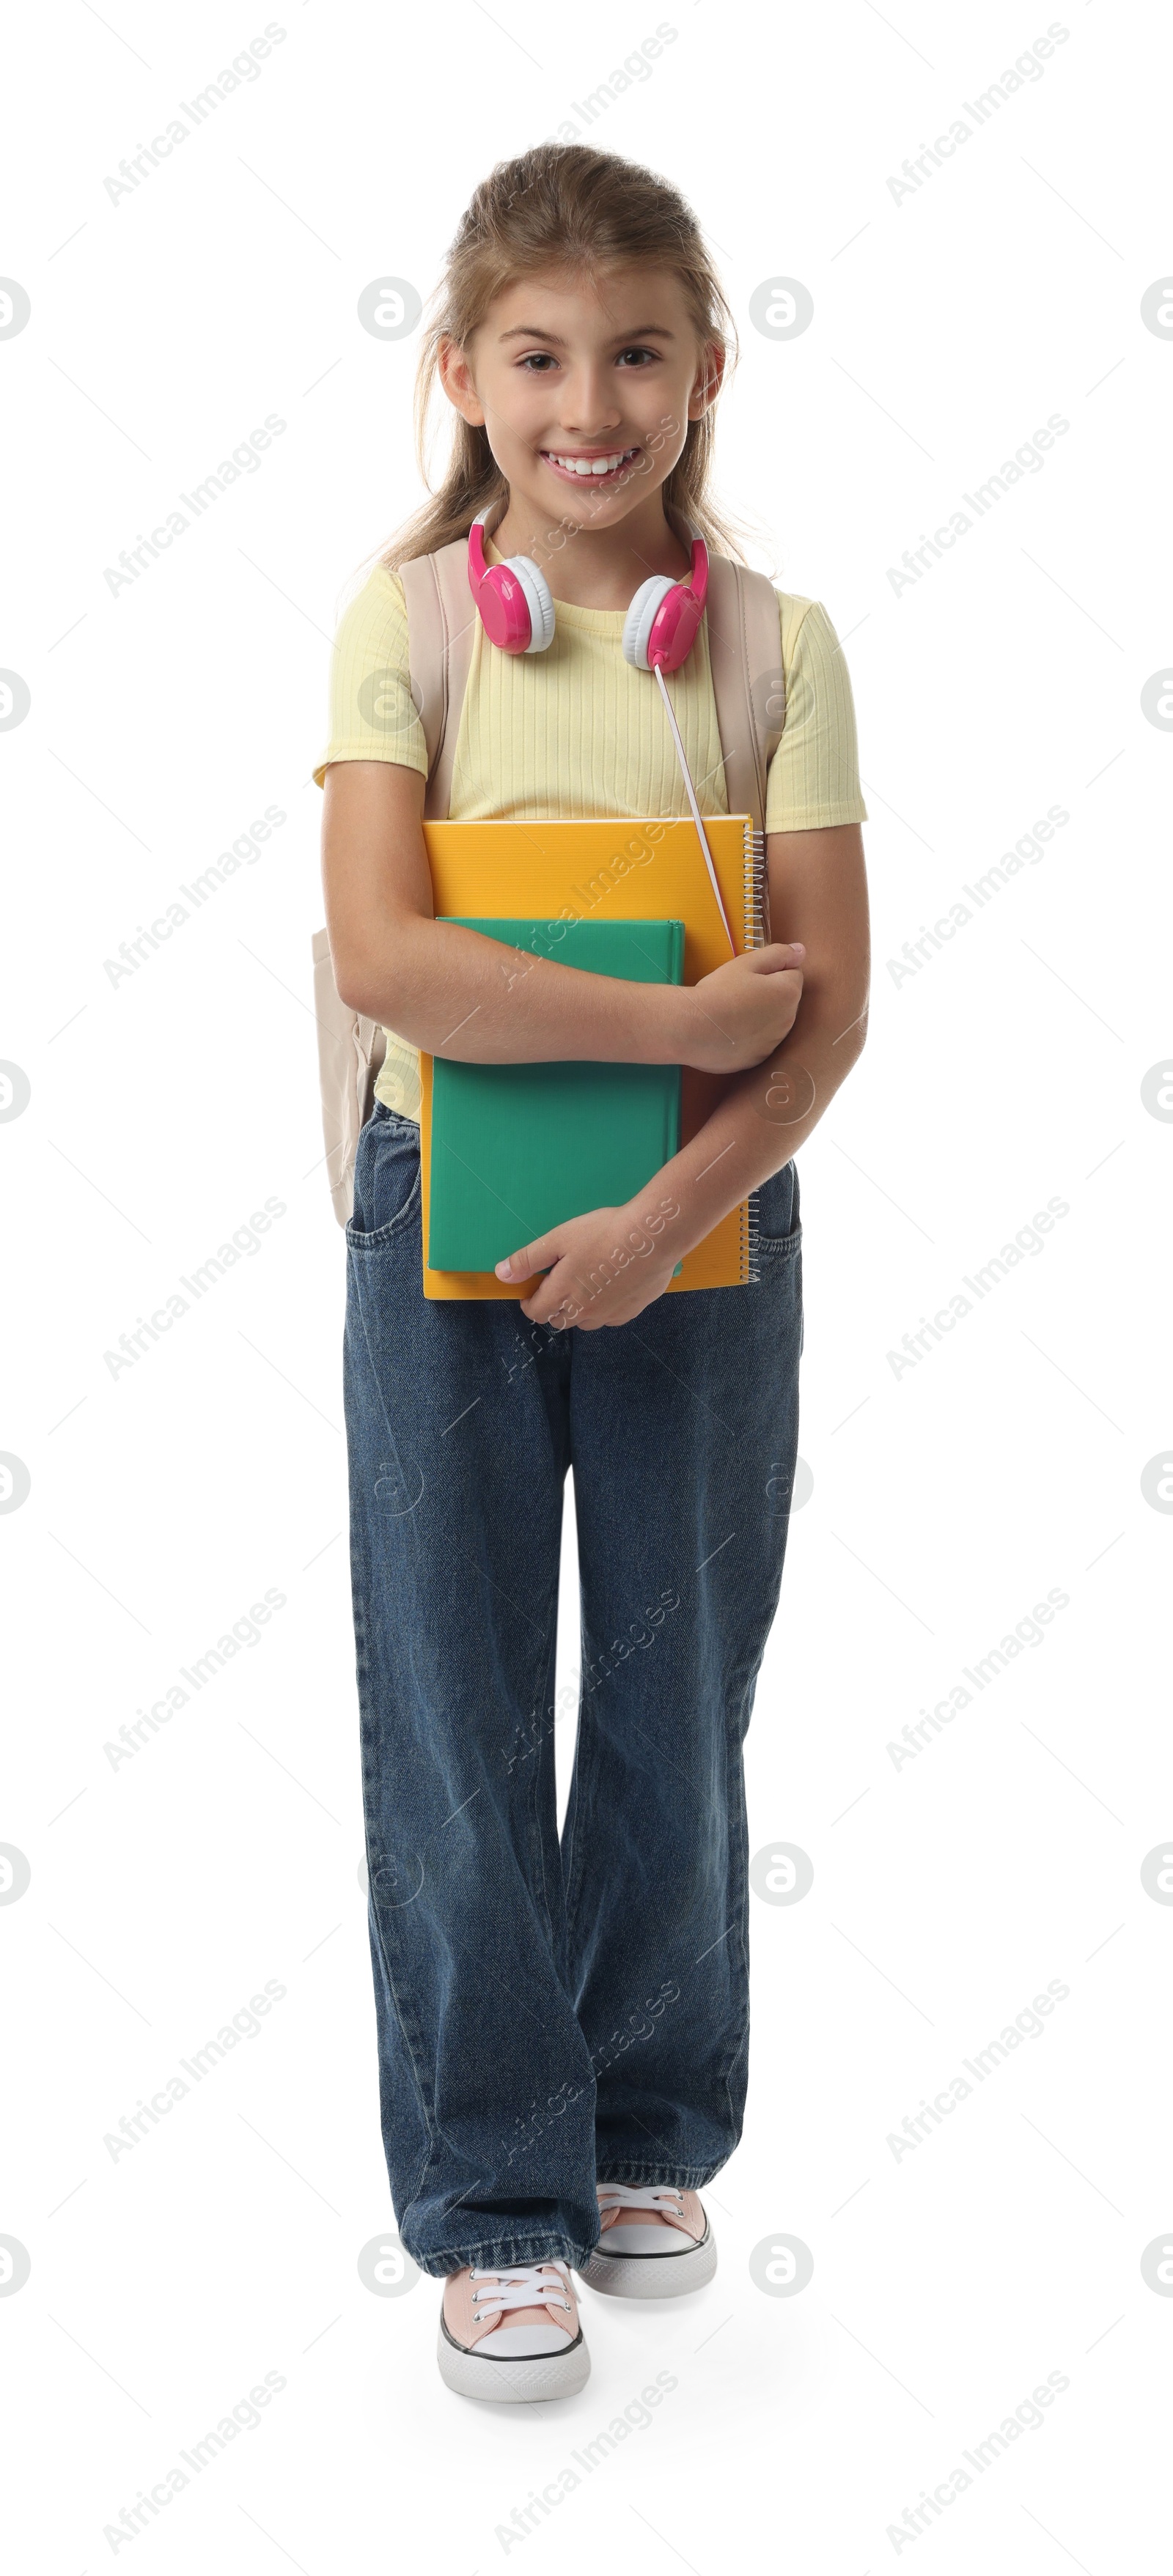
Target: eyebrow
528, 331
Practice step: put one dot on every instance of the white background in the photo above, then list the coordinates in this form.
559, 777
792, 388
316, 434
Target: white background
950, 2280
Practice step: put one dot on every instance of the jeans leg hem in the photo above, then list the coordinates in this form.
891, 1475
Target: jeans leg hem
646, 2177
503, 2252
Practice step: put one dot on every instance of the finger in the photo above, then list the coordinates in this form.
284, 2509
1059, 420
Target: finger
532, 1257
557, 1301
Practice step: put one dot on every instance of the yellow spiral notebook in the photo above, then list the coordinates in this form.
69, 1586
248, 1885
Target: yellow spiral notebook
622, 870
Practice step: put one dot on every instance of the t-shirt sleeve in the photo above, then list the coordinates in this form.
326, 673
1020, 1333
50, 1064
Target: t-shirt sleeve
813, 778
372, 715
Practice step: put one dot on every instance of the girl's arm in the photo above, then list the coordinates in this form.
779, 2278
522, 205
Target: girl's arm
605, 1268
457, 994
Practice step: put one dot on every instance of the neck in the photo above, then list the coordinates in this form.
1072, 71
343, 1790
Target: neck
592, 567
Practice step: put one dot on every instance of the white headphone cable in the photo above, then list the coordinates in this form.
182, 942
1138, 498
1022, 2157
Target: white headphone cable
696, 811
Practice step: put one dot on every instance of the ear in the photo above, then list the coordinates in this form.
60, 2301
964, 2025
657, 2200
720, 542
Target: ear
456, 376
708, 380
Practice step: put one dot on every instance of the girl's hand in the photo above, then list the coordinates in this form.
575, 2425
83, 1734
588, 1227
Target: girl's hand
602, 1269
738, 1015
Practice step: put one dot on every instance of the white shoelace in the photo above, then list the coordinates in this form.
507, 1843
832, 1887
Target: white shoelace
660, 2197
522, 2285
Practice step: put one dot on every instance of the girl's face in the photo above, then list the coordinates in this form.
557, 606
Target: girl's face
585, 387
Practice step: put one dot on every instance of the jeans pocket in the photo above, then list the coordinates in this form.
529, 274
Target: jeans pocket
386, 1181
779, 1226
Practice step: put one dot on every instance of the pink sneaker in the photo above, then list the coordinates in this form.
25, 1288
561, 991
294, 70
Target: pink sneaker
512, 2335
656, 2243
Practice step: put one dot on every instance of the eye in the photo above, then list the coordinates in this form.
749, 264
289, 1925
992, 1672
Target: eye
639, 355
538, 360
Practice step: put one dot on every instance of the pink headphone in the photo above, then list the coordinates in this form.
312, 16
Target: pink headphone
516, 608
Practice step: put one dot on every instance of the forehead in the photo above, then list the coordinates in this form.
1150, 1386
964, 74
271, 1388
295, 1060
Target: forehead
603, 304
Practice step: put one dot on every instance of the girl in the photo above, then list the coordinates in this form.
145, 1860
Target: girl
563, 2025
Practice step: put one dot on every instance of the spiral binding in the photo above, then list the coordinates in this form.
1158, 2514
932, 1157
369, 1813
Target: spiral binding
756, 889
750, 1239
755, 937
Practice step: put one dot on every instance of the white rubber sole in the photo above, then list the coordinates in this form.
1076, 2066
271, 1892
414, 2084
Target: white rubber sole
652, 2276
513, 2383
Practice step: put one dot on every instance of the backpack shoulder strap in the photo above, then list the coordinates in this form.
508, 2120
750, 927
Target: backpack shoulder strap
745, 655
441, 625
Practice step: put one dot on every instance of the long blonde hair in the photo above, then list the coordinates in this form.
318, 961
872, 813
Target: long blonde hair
561, 205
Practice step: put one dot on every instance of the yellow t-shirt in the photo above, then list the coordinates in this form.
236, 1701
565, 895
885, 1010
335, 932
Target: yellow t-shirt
577, 731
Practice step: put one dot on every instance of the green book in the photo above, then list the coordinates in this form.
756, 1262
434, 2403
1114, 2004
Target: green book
517, 1148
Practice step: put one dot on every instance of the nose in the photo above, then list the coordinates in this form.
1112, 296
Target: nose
589, 405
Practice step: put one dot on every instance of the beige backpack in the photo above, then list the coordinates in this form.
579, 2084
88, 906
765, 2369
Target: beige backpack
745, 653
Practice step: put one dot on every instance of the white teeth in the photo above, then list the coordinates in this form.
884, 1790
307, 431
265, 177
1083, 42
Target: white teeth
592, 464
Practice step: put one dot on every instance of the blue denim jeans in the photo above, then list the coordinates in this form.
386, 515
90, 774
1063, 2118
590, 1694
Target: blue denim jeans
555, 2013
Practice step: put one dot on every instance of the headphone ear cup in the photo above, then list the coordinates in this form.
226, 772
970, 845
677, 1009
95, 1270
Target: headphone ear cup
641, 617
533, 583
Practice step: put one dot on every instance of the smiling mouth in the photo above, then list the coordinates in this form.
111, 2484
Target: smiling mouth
604, 468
